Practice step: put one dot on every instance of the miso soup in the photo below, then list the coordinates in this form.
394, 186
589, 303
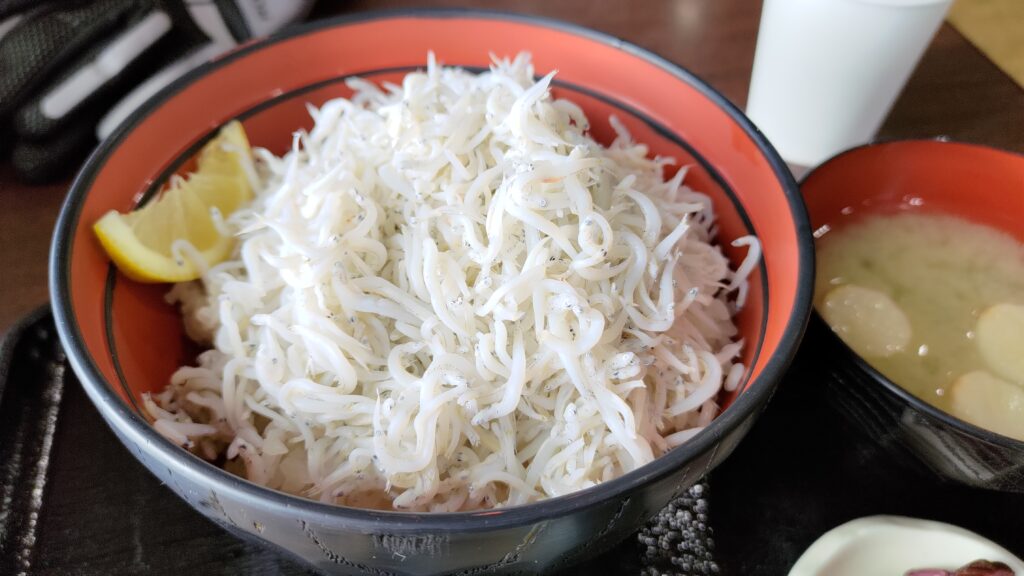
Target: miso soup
936, 304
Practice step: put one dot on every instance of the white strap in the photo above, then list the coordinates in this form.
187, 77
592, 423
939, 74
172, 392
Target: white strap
9, 24
109, 63
208, 18
266, 16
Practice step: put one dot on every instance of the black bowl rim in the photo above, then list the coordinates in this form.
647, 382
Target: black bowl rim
916, 403
126, 422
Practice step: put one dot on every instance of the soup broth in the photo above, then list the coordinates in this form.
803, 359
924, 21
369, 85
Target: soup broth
910, 291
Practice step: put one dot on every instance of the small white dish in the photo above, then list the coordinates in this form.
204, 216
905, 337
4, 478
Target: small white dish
894, 545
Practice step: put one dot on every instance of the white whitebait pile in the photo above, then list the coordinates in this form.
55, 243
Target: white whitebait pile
447, 296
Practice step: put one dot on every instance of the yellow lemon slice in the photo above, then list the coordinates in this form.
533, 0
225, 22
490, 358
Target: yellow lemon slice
174, 238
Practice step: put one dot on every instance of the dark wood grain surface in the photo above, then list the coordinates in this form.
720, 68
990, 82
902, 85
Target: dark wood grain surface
955, 92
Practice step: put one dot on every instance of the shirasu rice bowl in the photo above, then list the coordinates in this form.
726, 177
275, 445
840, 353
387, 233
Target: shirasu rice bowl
447, 296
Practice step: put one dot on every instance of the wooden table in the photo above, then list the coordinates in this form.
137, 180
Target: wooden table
955, 92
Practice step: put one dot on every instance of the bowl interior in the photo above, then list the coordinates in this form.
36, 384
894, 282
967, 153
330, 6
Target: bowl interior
980, 184
133, 340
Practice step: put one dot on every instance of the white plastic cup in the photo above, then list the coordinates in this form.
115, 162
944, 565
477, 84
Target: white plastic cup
826, 72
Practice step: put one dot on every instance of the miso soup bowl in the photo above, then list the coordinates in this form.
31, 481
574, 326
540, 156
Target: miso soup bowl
124, 340
981, 184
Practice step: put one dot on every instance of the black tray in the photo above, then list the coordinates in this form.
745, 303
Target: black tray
74, 502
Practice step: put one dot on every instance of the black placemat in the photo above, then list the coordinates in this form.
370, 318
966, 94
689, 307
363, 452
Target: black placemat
74, 502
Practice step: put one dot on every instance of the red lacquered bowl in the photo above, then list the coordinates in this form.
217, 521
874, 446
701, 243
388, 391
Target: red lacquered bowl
981, 184
123, 340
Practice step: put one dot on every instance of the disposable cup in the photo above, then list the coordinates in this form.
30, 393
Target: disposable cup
826, 72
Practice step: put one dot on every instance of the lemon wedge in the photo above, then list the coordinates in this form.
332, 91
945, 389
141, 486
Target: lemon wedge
174, 238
